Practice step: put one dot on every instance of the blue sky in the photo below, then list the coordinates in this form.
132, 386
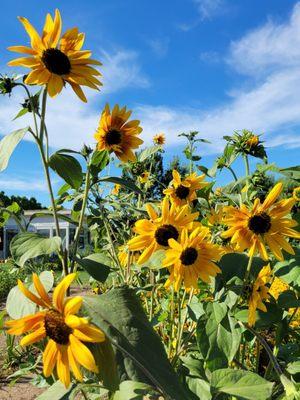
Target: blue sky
207, 65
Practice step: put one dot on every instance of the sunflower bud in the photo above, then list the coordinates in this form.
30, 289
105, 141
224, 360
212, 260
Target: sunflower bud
6, 84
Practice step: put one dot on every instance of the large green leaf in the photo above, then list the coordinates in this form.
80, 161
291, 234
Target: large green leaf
8, 145
99, 161
130, 390
218, 336
18, 305
140, 353
56, 392
289, 269
243, 385
68, 168
25, 246
123, 182
148, 153
97, 265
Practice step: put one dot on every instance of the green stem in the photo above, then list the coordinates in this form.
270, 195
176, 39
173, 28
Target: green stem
171, 322
248, 270
247, 167
233, 173
81, 217
32, 106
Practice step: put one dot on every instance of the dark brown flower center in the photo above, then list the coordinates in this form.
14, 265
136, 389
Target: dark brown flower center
56, 61
164, 233
260, 223
56, 328
189, 256
113, 137
182, 192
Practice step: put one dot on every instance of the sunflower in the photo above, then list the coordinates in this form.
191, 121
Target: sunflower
191, 258
159, 139
153, 233
259, 293
65, 332
55, 60
252, 141
184, 191
262, 224
144, 177
296, 193
116, 134
116, 189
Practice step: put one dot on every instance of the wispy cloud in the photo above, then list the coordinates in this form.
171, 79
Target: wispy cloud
210, 57
122, 70
27, 185
159, 46
209, 9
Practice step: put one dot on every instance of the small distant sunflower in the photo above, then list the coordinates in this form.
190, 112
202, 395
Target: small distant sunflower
263, 223
144, 177
116, 134
153, 234
296, 193
184, 191
191, 258
65, 332
116, 189
253, 141
55, 60
259, 293
159, 139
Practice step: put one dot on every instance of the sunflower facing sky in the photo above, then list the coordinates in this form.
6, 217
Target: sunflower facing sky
159, 139
55, 59
153, 233
192, 257
116, 134
259, 293
65, 332
262, 224
184, 191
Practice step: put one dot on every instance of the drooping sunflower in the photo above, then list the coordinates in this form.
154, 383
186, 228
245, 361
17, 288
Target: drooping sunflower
116, 134
116, 189
153, 233
159, 139
55, 60
183, 191
262, 224
277, 287
65, 331
192, 257
259, 293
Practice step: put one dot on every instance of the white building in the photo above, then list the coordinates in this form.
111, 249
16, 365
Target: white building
44, 225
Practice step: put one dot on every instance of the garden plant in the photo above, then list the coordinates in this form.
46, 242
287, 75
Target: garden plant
194, 289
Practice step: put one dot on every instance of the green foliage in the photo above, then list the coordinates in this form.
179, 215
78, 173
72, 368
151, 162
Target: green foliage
28, 245
67, 167
24, 202
140, 353
8, 145
97, 265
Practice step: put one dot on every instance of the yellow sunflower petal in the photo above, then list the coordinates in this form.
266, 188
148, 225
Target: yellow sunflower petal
30, 295
89, 333
82, 354
40, 289
49, 357
33, 337
272, 196
72, 305
62, 366
74, 365
60, 291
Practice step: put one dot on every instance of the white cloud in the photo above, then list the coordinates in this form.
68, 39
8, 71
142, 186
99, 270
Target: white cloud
122, 70
268, 48
209, 8
159, 46
12, 184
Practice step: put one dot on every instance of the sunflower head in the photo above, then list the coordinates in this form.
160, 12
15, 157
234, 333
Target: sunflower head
57, 322
144, 177
183, 191
262, 224
252, 141
117, 134
56, 59
190, 257
159, 139
154, 233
